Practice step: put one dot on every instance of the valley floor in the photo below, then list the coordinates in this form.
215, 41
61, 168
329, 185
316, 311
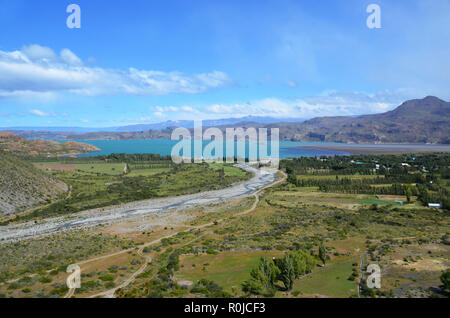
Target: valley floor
156, 208
209, 247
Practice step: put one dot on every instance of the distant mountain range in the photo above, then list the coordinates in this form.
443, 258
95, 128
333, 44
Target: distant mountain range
416, 121
207, 123
156, 126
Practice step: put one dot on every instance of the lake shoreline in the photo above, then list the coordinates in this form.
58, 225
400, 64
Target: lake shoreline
288, 149
364, 149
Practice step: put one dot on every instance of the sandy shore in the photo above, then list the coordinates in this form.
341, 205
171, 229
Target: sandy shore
360, 149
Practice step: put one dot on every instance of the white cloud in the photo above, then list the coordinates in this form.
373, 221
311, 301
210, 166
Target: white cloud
167, 109
188, 109
329, 103
291, 83
222, 109
265, 107
36, 52
162, 111
40, 113
37, 69
70, 58
28, 95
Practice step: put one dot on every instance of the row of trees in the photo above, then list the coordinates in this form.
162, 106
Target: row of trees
395, 189
340, 181
432, 193
264, 277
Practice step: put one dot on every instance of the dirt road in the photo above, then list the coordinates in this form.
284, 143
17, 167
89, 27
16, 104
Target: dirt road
110, 293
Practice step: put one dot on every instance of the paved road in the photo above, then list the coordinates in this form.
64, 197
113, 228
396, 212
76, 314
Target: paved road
96, 217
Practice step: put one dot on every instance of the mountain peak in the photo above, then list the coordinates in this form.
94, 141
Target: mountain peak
433, 98
427, 105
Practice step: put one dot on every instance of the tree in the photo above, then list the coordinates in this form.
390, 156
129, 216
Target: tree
222, 175
303, 263
445, 279
262, 278
408, 194
292, 179
322, 253
287, 268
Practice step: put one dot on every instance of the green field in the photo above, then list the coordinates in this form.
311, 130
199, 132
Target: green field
228, 169
103, 168
375, 201
330, 281
228, 269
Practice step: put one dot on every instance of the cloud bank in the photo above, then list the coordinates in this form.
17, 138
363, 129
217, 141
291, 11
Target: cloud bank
39, 70
330, 103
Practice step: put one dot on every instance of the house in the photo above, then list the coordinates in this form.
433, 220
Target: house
434, 205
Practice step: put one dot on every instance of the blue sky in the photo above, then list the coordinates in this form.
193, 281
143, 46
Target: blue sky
149, 61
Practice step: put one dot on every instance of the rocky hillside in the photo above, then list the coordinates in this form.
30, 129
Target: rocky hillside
21, 146
23, 186
416, 121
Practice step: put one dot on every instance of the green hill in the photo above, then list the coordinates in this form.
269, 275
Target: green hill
23, 186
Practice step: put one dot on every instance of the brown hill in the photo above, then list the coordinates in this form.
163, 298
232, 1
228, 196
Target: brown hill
23, 186
416, 121
21, 146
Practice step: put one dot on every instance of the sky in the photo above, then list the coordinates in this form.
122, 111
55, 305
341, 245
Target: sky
148, 61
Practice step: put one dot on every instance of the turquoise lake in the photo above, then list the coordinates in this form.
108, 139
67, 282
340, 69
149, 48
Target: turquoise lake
288, 149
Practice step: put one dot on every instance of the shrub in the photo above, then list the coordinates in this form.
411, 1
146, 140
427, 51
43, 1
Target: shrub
211, 251
110, 285
445, 279
45, 280
107, 278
